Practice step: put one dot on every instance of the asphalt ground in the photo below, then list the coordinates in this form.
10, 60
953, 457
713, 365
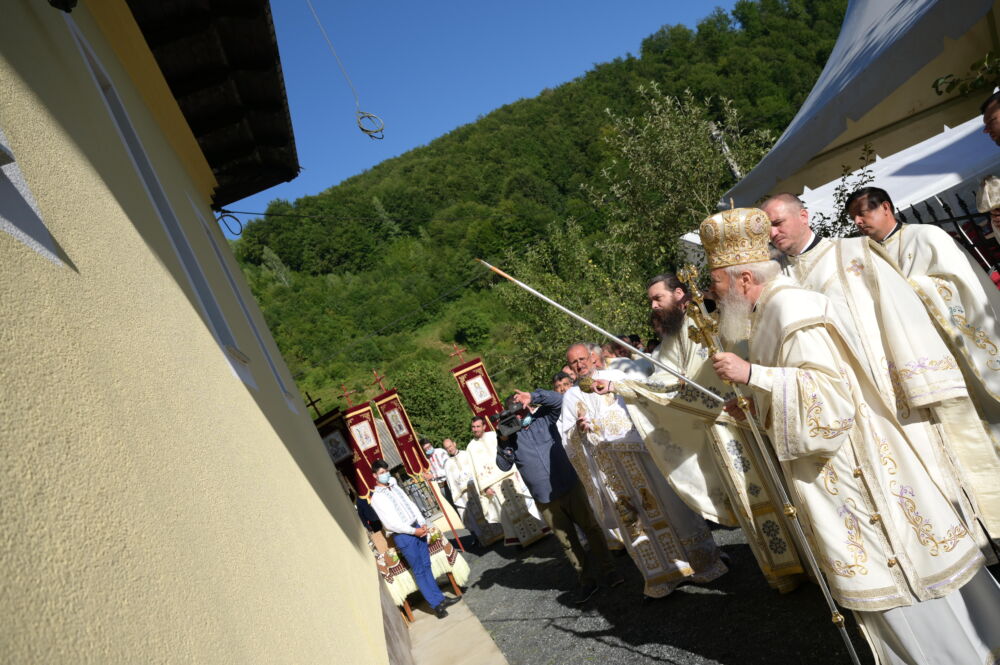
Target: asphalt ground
523, 597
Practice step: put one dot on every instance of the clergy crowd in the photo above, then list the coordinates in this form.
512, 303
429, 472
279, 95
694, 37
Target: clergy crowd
844, 389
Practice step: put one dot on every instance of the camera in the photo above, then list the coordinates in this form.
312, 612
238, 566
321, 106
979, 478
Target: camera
506, 422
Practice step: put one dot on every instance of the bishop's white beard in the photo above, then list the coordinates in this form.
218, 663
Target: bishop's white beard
734, 319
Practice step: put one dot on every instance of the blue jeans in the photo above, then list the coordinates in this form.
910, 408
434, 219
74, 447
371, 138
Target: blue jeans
414, 550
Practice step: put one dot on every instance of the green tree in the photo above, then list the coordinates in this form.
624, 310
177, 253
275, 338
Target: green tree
433, 401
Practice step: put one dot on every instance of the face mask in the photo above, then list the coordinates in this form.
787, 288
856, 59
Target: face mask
384, 477
526, 420
428, 452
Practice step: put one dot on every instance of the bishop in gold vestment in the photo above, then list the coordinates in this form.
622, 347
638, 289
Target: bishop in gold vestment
892, 545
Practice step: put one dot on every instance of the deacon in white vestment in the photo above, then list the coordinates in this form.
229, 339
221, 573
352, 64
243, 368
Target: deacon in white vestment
668, 542
958, 294
709, 460
506, 499
890, 542
889, 329
465, 494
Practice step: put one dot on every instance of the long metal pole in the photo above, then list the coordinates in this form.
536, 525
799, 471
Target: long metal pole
708, 393
440, 502
706, 331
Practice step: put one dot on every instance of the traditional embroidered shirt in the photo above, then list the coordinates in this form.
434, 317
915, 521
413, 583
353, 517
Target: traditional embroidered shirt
395, 509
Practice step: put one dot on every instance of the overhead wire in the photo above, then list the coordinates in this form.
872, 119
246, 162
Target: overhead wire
369, 123
352, 218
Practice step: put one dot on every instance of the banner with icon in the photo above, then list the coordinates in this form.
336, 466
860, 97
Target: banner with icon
391, 409
359, 422
478, 390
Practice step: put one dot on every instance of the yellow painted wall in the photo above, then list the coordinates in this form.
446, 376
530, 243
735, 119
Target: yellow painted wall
154, 507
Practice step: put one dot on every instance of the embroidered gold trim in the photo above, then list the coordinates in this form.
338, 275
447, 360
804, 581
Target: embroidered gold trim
902, 405
922, 526
854, 545
979, 338
942, 288
829, 477
815, 409
884, 454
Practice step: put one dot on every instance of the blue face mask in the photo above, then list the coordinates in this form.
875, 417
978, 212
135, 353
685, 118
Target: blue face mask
384, 477
526, 420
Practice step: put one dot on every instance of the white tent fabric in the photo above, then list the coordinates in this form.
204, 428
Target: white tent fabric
882, 43
957, 157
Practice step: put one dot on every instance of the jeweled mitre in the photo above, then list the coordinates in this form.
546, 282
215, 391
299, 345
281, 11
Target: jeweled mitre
735, 237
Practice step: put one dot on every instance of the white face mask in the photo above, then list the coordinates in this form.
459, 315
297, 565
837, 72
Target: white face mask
383, 477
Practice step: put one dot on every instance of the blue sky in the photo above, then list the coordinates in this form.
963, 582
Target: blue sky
427, 68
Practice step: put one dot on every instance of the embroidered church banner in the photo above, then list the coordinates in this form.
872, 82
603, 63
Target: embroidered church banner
391, 409
360, 425
478, 389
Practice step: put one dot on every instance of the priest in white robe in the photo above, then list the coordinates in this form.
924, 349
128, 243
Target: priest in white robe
710, 461
889, 329
890, 542
958, 294
466, 497
506, 499
668, 542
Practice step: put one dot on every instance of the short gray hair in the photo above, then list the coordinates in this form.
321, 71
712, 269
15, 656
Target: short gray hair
761, 271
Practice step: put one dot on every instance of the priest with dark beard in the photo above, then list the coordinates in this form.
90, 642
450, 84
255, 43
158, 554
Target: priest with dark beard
707, 460
668, 299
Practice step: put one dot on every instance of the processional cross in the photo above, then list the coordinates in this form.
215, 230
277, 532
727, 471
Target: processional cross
378, 380
313, 401
347, 394
458, 352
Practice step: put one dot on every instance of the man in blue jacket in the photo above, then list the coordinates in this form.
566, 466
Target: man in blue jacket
537, 451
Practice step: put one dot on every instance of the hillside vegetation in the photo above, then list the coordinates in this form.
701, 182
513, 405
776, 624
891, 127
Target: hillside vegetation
581, 191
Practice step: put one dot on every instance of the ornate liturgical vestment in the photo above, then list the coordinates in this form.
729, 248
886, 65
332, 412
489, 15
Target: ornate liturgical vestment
466, 497
963, 302
711, 463
889, 540
511, 504
915, 373
667, 540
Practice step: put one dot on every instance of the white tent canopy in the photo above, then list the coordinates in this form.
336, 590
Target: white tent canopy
876, 88
956, 158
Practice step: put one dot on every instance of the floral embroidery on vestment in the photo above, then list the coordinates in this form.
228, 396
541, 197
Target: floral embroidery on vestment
854, 544
922, 526
814, 410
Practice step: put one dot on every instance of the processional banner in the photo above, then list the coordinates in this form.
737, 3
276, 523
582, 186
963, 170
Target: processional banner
391, 409
478, 389
360, 424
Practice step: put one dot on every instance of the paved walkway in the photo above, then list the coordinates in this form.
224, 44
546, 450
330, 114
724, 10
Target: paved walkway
458, 639
523, 597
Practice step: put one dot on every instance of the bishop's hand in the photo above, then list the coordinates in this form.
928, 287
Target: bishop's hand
730, 367
601, 386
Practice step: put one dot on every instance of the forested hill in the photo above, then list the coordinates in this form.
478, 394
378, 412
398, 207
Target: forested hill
377, 271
